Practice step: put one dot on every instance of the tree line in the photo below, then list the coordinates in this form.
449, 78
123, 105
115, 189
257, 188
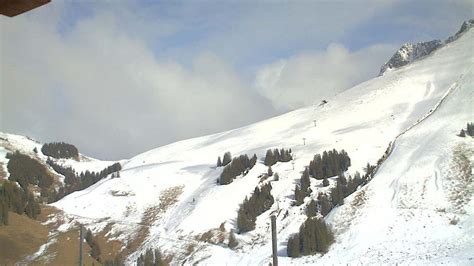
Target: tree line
260, 201
60, 150
238, 166
75, 182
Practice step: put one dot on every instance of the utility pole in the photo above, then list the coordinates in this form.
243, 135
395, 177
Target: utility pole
81, 240
274, 240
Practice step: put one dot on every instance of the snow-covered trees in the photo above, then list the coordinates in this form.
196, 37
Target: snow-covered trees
60, 150
260, 201
273, 156
238, 166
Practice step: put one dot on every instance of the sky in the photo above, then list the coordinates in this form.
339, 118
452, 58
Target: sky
117, 78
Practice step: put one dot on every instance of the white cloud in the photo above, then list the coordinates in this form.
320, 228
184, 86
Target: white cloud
310, 77
107, 93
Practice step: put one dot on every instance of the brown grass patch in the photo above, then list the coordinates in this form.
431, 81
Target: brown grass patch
65, 251
22, 237
213, 236
169, 197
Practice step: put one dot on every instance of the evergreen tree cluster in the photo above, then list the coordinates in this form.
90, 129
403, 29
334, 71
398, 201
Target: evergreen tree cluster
238, 166
314, 236
335, 197
151, 258
16, 199
60, 150
226, 159
274, 156
260, 201
329, 164
92, 242
302, 190
68, 173
26, 170
470, 129
74, 182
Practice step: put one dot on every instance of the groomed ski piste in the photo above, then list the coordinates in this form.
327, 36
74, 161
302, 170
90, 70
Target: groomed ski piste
418, 209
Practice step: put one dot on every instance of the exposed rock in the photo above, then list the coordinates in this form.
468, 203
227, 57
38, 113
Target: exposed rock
411, 52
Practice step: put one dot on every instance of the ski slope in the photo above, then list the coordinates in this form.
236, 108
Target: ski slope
403, 216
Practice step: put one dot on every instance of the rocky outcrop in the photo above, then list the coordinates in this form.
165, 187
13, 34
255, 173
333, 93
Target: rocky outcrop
410, 52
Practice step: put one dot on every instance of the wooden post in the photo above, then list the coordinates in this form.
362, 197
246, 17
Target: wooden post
274, 240
81, 240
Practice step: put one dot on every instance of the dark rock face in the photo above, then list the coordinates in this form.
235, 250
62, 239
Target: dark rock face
411, 52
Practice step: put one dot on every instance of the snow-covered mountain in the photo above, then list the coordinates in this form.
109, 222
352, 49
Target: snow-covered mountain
405, 215
418, 209
410, 52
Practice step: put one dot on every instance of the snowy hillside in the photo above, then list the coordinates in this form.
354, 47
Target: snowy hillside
26, 145
404, 215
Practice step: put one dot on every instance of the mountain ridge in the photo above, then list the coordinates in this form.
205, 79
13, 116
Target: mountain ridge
410, 52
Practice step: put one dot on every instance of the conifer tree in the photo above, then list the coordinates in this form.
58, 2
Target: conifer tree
219, 162
470, 129
311, 209
232, 240
270, 171
226, 159
324, 204
293, 248
276, 177
325, 182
